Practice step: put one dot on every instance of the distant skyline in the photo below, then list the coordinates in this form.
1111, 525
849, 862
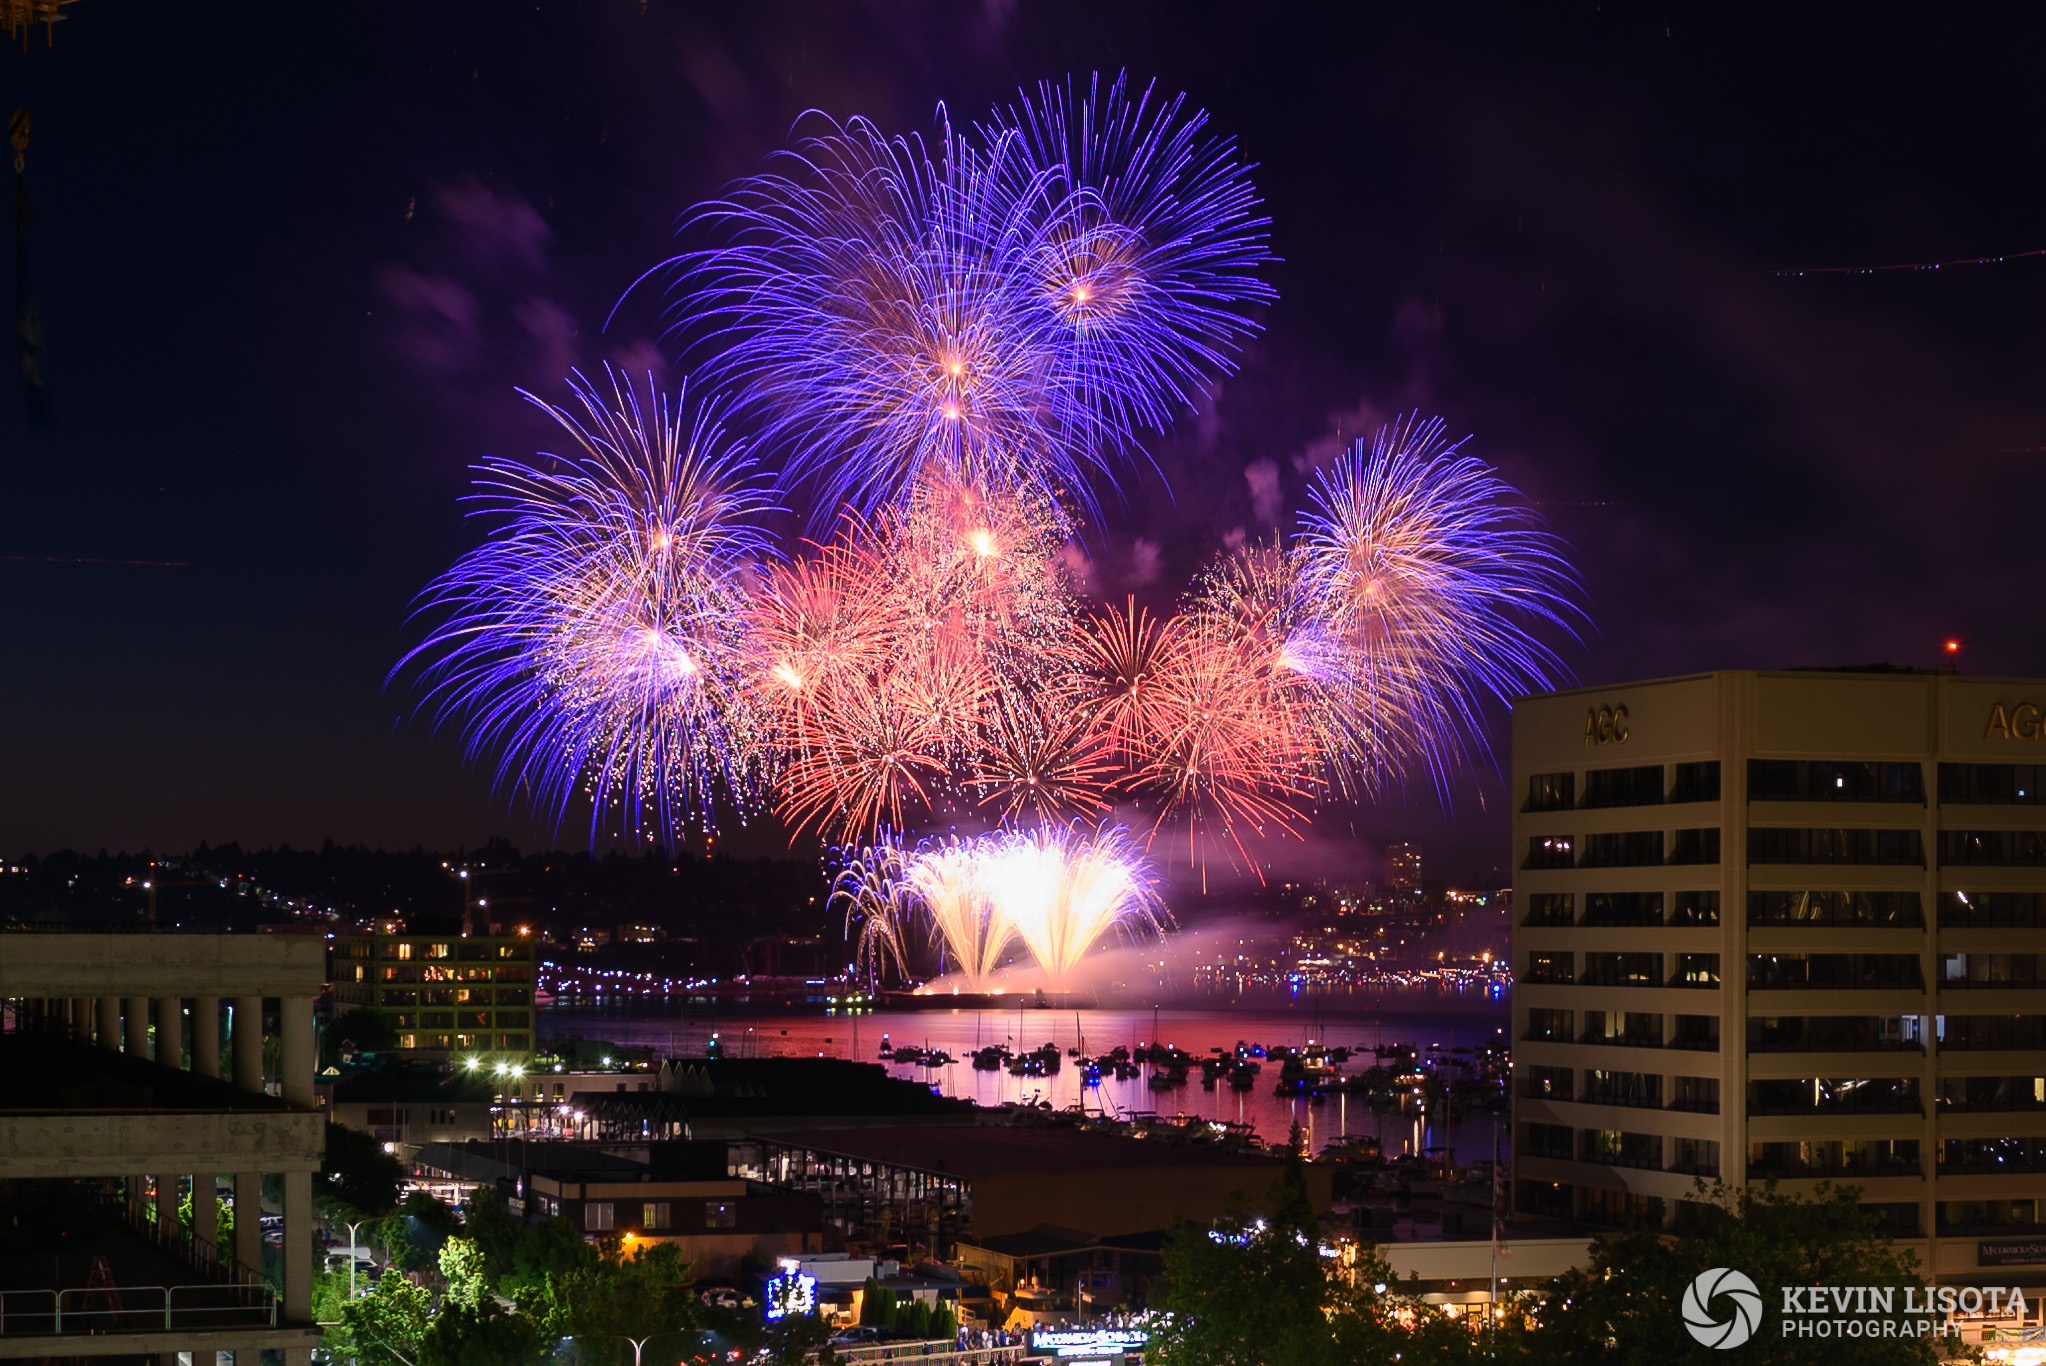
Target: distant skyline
286, 303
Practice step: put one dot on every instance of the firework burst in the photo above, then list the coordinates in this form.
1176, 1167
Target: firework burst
1063, 889
1423, 579
593, 639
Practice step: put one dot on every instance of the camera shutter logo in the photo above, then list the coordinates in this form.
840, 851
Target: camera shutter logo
1718, 1290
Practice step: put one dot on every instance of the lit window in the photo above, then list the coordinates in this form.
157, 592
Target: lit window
720, 1214
655, 1215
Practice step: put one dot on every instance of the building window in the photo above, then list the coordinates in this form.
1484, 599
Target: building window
1836, 1034
1696, 970
1641, 1090
1546, 1140
1699, 1095
1991, 1156
1991, 784
1551, 792
1695, 909
654, 1215
1546, 1083
1994, 971
1696, 782
1623, 849
439, 950
1552, 968
1623, 786
2002, 1033
1623, 908
1992, 910
1695, 846
597, 1216
1835, 1096
401, 953
1829, 780
1992, 848
1898, 848
1550, 851
1622, 969
1835, 971
720, 1214
1992, 1093
1625, 1029
1893, 910
1695, 1156
1983, 1216
408, 1041
1699, 1033
1839, 1157
1618, 1148
1556, 1025
1551, 908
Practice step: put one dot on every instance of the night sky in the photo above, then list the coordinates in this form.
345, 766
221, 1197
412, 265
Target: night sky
292, 259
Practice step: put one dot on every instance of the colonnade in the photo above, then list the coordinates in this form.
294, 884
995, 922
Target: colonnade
185, 1034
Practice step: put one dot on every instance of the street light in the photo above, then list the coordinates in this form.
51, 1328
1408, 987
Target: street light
353, 1225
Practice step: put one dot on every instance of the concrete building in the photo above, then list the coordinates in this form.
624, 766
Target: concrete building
135, 1071
440, 993
1787, 925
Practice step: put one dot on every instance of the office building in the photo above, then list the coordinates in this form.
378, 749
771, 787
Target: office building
443, 993
1787, 925
135, 1074
1403, 869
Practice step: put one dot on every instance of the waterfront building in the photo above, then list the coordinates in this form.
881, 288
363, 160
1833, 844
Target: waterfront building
440, 993
135, 1068
1787, 925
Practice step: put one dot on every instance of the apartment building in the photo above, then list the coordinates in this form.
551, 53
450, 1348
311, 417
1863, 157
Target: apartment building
439, 994
1787, 925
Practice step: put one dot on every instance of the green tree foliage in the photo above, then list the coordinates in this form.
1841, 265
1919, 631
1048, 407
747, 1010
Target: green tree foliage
357, 1177
364, 1028
415, 1232
223, 1217
614, 1294
384, 1327
1258, 1289
497, 1235
480, 1335
1627, 1305
551, 1249
461, 1266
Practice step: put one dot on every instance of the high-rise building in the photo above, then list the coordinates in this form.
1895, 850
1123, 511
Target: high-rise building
439, 993
1403, 868
1787, 925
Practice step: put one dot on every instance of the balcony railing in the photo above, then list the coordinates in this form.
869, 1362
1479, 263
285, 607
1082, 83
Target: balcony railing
135, 1309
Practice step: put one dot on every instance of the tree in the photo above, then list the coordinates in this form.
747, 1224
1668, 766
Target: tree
364, 1028
1628, 1304
1262, 1288
615, 1295
357, 1177
384, 1327
496, 1234
414, 1233
481, 1334
223, 1218
461, 1266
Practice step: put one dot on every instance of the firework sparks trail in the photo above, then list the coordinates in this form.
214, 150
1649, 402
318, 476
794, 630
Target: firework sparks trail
593, 639
1064, 889
1422, 579
1058, 890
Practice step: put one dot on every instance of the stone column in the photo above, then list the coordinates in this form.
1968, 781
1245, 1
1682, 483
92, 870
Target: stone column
298, 1247
296, 1061
108, 1009
206, 1035
170, 1031
166, 1206
206, 1213
81, 1018
135, 1026
248, 1221
248, 1043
